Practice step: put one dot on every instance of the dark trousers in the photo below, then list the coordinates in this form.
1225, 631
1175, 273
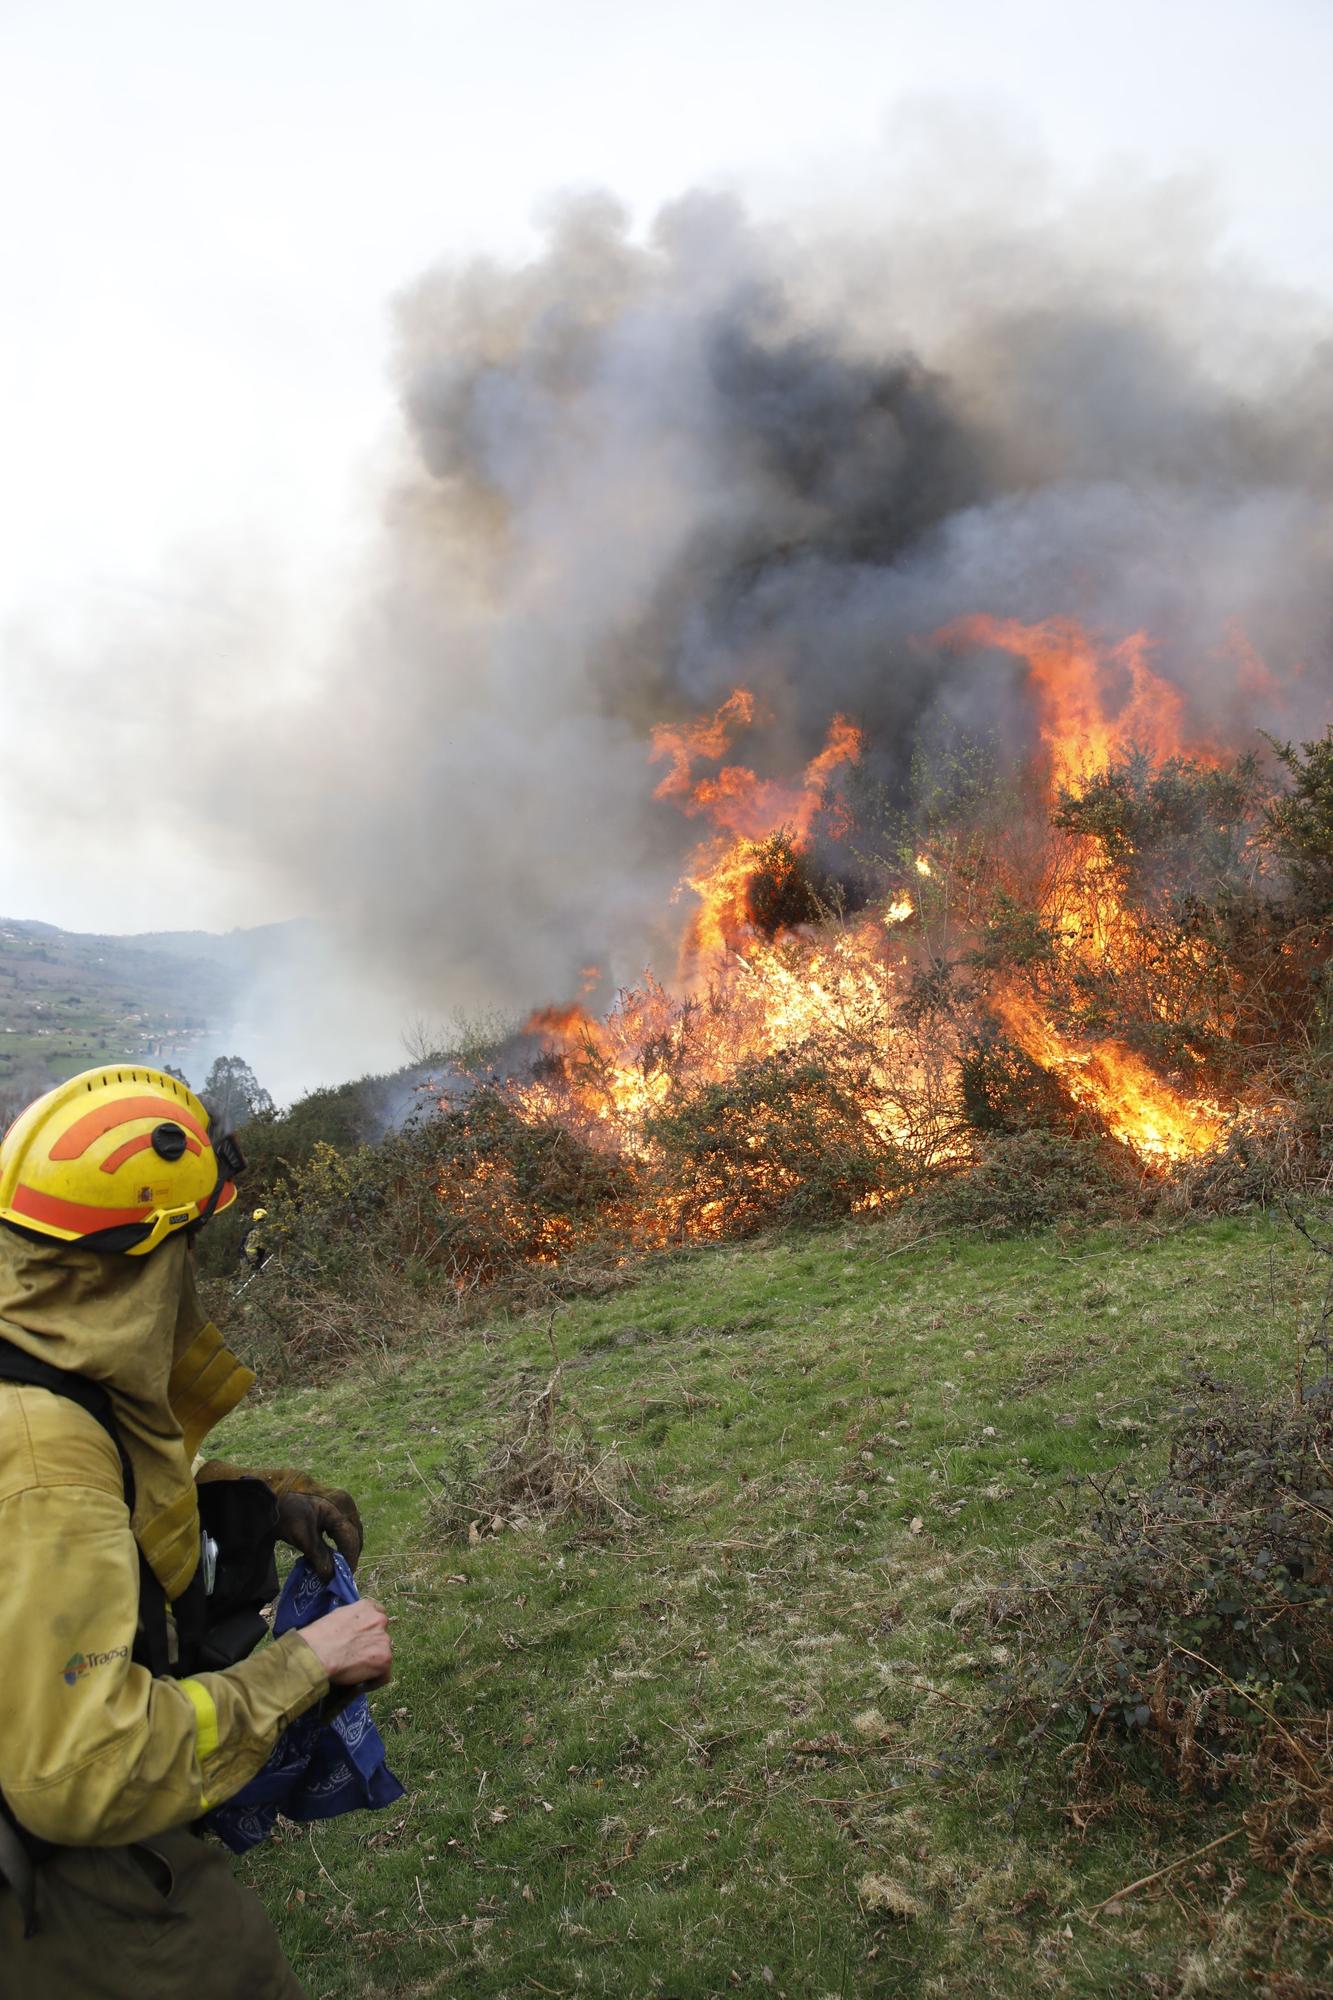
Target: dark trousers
163, 1920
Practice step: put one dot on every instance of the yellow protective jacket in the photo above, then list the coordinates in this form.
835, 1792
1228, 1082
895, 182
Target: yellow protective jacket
93, 1750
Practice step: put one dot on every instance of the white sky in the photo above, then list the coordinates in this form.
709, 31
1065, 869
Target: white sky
207, 208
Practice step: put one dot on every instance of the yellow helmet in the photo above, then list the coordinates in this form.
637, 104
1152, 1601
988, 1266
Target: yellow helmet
259, 1215
119, 1159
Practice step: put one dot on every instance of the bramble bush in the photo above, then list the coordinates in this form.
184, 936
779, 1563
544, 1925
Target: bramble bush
780, 1140
1185, 1634
1034, 1179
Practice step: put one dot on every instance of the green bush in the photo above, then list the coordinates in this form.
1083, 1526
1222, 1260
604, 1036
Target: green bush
1186, 1633
341, 1278
1031, 1180
369, 1245
1301, 821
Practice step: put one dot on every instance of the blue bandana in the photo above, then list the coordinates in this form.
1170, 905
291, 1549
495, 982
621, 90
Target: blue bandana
318, 1769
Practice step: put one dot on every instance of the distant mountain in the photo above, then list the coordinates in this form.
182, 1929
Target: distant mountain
70, 999
244, 951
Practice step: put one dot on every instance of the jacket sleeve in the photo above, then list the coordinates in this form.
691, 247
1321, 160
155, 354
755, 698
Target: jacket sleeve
93, 1750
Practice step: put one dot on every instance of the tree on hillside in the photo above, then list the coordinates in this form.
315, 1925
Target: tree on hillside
233, 1093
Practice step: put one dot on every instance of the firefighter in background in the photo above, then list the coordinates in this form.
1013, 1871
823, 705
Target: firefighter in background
110, 1748
254, 1253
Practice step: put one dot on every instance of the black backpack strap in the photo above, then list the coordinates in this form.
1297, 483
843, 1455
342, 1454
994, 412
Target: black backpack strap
19, 1850
16, 1365
151, 1647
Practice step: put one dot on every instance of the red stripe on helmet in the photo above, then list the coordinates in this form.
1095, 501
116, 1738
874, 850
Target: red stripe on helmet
74, 1143
78, 1217
139, 1145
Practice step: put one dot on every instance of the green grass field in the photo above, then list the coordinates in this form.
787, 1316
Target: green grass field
702, 1755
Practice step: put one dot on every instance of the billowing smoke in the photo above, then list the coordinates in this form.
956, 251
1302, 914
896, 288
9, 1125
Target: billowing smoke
642, 470
650, 471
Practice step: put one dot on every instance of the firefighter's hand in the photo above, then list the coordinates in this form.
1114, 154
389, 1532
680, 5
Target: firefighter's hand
305, 1519
352, 1644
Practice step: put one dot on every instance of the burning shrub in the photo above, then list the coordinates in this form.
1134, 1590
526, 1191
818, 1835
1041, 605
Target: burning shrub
1199, 884
1101, 946
515, 1189
1013, 936
1172, 823
1005, 1091
777, 1141
780, 894
1105, 967
1260, 1163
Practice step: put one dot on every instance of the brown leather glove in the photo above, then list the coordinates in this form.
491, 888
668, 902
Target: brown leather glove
307, 1512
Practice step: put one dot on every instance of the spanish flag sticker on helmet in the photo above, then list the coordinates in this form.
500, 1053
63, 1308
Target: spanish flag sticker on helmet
113, 1149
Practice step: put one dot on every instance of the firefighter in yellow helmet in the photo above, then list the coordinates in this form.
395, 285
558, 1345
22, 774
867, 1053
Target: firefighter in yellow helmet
255, 1253
114, 1739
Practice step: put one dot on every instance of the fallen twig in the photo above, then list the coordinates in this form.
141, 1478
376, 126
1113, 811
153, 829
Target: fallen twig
1146, 1881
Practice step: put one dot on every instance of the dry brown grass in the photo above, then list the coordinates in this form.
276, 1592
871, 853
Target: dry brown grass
543, 1468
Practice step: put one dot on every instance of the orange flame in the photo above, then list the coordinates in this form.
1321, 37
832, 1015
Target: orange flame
1083, 724
709, 736
1093, 708
1160, 1124
742, 997
750, 810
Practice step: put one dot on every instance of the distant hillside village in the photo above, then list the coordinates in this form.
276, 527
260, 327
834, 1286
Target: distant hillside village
69, 1000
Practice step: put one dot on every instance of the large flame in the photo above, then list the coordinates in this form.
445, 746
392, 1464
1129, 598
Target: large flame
1095, 707
746, 810
743, 994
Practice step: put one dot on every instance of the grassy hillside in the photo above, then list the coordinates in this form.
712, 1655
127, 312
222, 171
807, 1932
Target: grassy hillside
710, 1752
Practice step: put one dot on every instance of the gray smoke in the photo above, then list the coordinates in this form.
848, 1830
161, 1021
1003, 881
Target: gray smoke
637, 472
649, 471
